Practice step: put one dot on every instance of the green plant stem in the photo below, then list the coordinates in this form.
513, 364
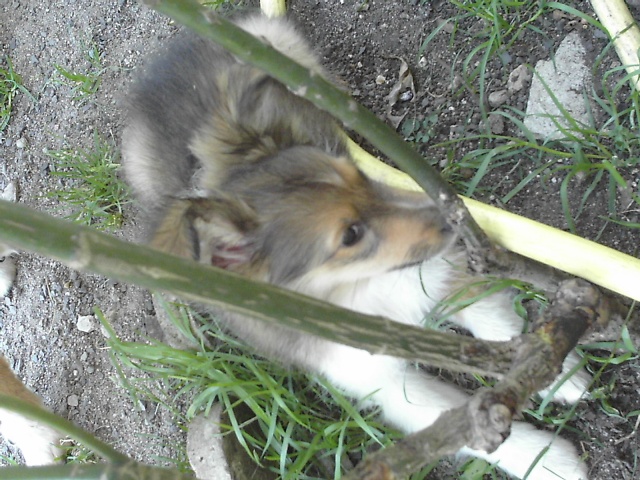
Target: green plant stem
324, 95
83, 248
62, 425
130, 470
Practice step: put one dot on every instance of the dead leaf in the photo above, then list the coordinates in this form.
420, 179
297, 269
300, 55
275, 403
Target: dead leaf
402, 85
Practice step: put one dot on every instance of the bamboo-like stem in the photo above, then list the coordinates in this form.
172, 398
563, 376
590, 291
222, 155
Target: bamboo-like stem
273, 8
62, 425
623, 31
83, 248
327, 97
561, 250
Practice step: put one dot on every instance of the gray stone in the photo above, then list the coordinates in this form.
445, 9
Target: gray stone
496, 123
498, 98
85, 323
204, 446
518, 79
566, 78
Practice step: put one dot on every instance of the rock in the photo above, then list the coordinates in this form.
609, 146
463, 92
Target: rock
566, 77
518, 79
204, 446
496, 123
85, 323
73, 400
10, 192
498, 98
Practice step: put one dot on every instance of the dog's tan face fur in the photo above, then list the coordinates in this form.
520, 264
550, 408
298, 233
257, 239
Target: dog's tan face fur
302, 216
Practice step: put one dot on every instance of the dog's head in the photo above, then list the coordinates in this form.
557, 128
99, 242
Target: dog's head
302, 217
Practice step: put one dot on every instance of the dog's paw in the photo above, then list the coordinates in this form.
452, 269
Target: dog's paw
43, 447
7, 270
536, 455
7, 265
39, 444
559, 462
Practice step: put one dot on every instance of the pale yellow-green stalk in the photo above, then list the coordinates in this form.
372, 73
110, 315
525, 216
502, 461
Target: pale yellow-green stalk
273, 8
623, 30
572, 254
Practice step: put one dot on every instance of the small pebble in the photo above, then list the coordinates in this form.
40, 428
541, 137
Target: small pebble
498, 98
85, 323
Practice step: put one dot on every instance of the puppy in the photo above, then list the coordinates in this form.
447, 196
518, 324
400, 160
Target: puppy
235, 171
40, 444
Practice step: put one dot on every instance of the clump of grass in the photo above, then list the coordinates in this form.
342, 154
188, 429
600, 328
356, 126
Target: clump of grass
84, 85
91, 186
300, 427
501, 25
583, 159
10, 85
75, 453
595, 157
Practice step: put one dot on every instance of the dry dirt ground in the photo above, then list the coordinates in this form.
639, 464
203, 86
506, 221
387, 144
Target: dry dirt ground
361, 43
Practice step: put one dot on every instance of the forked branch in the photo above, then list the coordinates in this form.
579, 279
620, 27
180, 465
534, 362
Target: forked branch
485, 421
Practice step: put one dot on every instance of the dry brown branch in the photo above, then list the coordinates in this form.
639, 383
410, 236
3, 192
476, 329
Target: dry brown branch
485, 421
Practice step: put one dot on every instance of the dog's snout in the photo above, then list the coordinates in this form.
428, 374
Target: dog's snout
437, 232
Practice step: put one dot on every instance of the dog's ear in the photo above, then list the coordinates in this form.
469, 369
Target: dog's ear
217, 230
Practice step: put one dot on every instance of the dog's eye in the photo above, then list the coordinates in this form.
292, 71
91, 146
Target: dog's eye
353, 234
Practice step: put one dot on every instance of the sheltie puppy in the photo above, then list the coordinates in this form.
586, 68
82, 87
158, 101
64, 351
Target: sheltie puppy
234, 170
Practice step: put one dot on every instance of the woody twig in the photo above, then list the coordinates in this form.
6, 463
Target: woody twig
484, 422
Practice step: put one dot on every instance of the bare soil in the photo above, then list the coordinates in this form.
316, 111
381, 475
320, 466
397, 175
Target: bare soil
362, 44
